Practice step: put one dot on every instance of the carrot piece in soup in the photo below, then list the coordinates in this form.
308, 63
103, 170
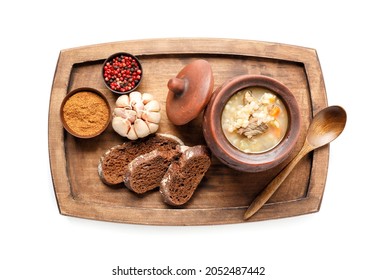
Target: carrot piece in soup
275, 111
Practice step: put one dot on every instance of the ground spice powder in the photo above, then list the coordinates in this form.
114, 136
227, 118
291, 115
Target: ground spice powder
86, 113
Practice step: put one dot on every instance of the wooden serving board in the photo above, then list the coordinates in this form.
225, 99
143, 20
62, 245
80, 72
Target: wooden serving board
224, 194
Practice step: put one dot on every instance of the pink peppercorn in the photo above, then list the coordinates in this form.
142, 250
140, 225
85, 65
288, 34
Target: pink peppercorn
122, 72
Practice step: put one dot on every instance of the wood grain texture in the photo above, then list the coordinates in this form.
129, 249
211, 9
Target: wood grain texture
224, 194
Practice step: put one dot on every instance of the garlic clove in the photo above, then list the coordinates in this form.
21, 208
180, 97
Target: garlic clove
153, 117
153, 127
121, 126
135, 97
136, 103
125, 114
130, 115
123, 101
139, 108
118, 112
141, 128
147, 97
152, 106
131, 133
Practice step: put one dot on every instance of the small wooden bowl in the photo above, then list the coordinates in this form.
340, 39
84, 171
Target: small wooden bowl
109, 59
225, 151
64, 122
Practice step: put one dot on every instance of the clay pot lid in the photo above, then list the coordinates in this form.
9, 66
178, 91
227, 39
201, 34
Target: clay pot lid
189, 92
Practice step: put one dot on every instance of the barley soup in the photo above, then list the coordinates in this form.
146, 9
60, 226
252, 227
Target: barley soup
254, 120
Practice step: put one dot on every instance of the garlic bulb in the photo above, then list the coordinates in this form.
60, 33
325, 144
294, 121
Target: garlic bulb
136, 115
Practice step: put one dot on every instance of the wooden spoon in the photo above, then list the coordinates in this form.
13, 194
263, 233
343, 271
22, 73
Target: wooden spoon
325, 127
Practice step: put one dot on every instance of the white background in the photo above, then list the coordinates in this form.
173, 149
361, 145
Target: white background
339, 242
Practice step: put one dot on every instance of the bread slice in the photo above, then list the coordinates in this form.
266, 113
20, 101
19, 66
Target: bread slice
183, 176
145, 172
113, 163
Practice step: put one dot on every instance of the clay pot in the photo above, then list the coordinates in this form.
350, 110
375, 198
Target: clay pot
226, 152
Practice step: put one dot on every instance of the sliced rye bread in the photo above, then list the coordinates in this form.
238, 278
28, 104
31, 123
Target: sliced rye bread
145, 172
184, 175
113, 163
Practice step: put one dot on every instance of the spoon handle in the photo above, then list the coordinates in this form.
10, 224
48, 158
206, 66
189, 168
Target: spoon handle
272, 187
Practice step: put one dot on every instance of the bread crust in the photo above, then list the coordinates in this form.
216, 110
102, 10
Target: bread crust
184, 175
